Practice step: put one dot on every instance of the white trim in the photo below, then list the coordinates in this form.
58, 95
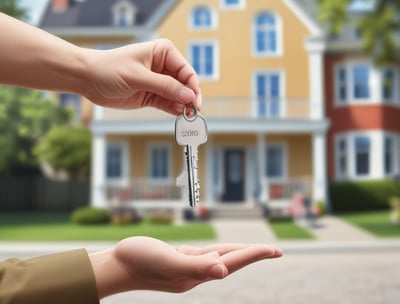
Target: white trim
375, 84
376, 154
214, 19
150, 147
216, 58
98, 171
125, 165
320, 183
241, 5
311, 25
279, 36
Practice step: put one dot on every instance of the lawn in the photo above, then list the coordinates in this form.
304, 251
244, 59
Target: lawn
58, 227
288, 229
377, 223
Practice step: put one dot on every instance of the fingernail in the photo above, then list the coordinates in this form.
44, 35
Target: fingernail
218, 271
185, 94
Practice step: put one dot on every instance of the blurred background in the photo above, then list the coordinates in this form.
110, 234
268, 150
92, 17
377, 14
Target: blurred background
302, 102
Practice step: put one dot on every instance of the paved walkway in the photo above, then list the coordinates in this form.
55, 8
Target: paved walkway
327, 228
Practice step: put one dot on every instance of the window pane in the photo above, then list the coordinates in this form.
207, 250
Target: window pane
209, 54
342, 85
362, 150
114, 161
202, 17
389, 155
388, 84
159, 162
266, 33
361, 82
232, 2
342, 158
275, 162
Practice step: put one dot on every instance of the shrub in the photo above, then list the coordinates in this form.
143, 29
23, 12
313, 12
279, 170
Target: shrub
161, 218
362, 195
91, 216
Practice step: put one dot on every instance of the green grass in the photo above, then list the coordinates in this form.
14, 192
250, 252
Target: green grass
58, 227
377, 223
289, 230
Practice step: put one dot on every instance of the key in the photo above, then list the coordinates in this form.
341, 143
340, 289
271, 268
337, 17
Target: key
190, 132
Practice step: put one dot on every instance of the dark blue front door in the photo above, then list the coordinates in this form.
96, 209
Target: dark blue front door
234, 175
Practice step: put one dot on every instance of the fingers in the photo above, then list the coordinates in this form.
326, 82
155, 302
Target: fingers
240, 258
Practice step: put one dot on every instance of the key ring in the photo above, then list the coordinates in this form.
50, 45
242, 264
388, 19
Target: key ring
187, 117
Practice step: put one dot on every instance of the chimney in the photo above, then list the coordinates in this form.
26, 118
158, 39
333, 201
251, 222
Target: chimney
59, 6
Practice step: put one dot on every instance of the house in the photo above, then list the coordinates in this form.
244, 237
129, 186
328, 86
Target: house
261, 65
288, 107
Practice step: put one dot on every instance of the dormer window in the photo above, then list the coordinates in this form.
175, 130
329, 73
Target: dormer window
124, 13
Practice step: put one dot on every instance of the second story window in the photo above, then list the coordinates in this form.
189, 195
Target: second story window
202, 17
203, 57
360, 79
124, 13
389, 88
268, 87
267, 34
233, 4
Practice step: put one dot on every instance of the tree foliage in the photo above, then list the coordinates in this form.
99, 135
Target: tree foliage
67, 148
13, 8
25, 117
376, 26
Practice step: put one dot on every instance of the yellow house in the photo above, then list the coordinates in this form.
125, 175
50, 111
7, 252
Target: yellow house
261, 70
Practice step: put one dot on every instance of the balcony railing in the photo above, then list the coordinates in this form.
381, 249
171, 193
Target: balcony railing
143, 189
228, 107
285, 190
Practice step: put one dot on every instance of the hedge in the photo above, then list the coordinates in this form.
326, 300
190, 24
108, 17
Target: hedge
362, 195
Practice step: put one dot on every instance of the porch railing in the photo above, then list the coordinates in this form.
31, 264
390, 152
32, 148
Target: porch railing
143, 189
285, 190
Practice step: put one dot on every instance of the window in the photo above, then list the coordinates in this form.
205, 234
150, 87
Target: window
275, 161
232, 4
202, 18
268, 90
124, 13
114, 161
266, 34
389, 155
342, 167
73, 102
362, 151
389, 85
204, 59
159, 162
360, 79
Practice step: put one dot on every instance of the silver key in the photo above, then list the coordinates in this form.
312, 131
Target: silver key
190, 132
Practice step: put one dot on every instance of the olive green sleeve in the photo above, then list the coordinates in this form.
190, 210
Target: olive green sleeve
63, 278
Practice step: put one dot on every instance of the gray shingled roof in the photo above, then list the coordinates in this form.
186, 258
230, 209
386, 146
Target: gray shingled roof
98, 13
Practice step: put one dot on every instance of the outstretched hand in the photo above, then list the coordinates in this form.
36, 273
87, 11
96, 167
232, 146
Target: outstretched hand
140, 75
146, 263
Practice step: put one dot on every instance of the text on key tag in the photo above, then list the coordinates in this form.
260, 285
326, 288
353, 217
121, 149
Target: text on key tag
190, 130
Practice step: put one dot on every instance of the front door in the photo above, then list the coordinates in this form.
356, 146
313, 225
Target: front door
234, 175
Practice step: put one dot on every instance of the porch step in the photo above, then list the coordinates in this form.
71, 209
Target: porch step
237, 212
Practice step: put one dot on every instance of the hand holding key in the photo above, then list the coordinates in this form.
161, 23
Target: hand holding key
190, 132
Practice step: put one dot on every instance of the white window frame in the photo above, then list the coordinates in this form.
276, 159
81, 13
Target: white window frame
214, 19
283, 146
279, 36
396, 97
130, 13
282, 88
375, 84
125, 170
157, 145
241, 5
216, 60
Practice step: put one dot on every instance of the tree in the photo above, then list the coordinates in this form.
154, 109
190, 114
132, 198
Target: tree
13, 8
67, 148
376, 26
25, 117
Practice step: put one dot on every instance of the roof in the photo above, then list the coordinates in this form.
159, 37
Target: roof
94, 13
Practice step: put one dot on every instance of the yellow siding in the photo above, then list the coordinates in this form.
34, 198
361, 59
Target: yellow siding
234, 36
